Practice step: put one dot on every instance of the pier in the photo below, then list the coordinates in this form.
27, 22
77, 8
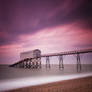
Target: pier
35, 62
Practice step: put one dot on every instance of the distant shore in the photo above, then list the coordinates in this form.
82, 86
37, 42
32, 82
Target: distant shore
74, 85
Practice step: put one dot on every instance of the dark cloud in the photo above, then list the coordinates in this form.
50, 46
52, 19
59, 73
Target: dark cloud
76, 10
28, 16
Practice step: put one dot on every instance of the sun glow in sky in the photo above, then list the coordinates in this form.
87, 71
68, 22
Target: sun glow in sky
51, 26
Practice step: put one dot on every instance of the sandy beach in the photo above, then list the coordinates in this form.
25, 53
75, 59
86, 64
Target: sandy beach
73, 85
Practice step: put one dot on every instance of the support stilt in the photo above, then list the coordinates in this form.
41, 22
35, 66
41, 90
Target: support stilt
47, 62
40, 62
78, 62
30, 63
23, 64
19, 65
26, 63
61, 65
15, 66
36, 63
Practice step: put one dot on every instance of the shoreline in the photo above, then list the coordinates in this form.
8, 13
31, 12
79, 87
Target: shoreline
15, 79
28, 82
73, 85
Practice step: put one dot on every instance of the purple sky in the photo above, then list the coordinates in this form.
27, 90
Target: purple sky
49, 25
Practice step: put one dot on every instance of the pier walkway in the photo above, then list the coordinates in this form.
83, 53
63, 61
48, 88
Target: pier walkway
27, 62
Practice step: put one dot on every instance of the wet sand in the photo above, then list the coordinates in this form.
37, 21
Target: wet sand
74, 85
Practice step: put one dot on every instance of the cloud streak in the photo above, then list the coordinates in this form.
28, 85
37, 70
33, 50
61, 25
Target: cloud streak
20, 17
48, 25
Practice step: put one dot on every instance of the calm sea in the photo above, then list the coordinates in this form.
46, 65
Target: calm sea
7, 72
13, 78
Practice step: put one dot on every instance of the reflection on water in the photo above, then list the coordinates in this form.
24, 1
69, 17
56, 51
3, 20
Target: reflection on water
10, 72
13, 78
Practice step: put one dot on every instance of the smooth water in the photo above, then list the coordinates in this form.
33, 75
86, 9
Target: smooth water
7, 72
13, 78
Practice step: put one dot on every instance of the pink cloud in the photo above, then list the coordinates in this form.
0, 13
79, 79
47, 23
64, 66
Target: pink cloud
56, 39
10, 53
48, 40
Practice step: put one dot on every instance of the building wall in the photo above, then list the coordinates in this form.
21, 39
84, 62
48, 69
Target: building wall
30, 54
